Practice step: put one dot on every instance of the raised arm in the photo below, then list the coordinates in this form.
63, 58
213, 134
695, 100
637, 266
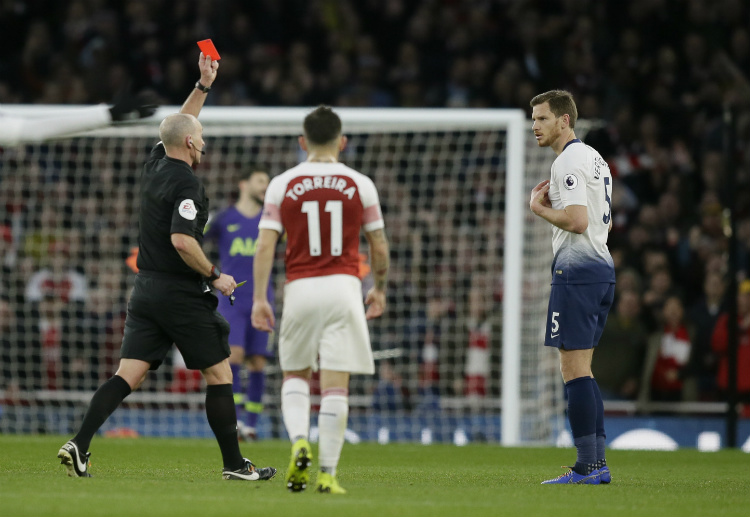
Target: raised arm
197, 97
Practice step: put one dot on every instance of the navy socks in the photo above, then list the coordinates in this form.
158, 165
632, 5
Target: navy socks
601, 435
582, 415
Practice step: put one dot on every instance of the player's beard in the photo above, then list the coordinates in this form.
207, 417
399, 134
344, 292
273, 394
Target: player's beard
549, 138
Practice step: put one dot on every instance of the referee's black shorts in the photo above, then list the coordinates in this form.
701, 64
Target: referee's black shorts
166, 309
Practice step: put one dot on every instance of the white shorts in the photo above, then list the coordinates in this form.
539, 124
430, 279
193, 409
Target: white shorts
324, 316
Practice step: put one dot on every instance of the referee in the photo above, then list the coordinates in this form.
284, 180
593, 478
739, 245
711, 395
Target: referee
172, 301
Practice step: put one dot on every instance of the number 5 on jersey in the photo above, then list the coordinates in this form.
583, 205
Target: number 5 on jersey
312, 209
554, 331
607, 217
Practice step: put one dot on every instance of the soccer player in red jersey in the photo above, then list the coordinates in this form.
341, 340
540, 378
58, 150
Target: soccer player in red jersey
322, 205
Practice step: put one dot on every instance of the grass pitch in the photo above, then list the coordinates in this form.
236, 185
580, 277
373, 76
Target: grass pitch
176, 477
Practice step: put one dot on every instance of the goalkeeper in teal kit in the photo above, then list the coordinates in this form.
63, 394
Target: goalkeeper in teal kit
235, 230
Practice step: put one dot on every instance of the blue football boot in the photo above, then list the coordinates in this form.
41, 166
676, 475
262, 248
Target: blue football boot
604, 475
573, 478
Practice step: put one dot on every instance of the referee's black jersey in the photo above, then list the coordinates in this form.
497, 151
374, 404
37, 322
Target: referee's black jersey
173, 200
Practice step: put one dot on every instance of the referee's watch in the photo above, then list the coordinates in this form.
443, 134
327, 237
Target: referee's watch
215, 273
204, 89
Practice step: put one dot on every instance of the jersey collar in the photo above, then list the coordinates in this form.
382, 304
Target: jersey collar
572, 142
177, 161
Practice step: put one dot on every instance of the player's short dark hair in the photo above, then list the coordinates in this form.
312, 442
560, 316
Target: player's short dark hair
560, 103
322, 126
248, 172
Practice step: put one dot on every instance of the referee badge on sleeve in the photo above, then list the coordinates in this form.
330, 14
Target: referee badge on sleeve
187, 209
570, 181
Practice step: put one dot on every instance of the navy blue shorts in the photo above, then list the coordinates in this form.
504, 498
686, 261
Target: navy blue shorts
576, 315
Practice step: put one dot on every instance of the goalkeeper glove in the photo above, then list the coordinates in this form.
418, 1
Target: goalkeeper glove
130, 107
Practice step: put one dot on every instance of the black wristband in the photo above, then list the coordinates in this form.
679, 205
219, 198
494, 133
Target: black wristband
204, 89
215, 273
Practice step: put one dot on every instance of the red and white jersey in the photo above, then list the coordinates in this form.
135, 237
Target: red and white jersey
322, 207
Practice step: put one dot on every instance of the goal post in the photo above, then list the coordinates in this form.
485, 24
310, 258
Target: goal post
454, 184
515, 196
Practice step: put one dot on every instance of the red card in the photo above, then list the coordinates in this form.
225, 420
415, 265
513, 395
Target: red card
208, 49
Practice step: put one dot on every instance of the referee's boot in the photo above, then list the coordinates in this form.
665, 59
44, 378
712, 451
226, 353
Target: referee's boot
249, 472
298, 473
76, 462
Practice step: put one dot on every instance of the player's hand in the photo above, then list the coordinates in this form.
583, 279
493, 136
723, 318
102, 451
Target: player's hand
208, 68
262, 316
225, 284
376, 303
540, 197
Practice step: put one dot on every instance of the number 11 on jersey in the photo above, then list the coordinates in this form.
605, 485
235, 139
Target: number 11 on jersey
312, 209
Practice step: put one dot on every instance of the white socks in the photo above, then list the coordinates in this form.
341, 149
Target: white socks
334, 412
295, 407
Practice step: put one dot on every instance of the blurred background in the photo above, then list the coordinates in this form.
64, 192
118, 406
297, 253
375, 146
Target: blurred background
652, 77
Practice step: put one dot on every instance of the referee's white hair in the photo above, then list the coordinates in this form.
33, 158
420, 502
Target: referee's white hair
175, 127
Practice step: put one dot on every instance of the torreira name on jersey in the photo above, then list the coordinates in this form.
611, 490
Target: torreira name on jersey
322, 207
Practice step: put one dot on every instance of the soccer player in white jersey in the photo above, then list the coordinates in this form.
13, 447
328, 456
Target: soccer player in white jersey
322, 205
576, 202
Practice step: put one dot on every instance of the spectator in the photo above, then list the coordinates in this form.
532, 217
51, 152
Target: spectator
668, 355
50, 325
390, 395
658, 290
58, 279
429, 329
704, 314
618, 360
20, 359
719, 343
42, 235
478, 348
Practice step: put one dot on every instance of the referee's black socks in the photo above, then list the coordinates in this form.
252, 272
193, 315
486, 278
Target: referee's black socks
223, 421
103, 403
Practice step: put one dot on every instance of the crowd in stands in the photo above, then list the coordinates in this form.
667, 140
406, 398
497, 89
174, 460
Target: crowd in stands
656, 73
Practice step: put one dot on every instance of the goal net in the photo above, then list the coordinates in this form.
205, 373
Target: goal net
459, 351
